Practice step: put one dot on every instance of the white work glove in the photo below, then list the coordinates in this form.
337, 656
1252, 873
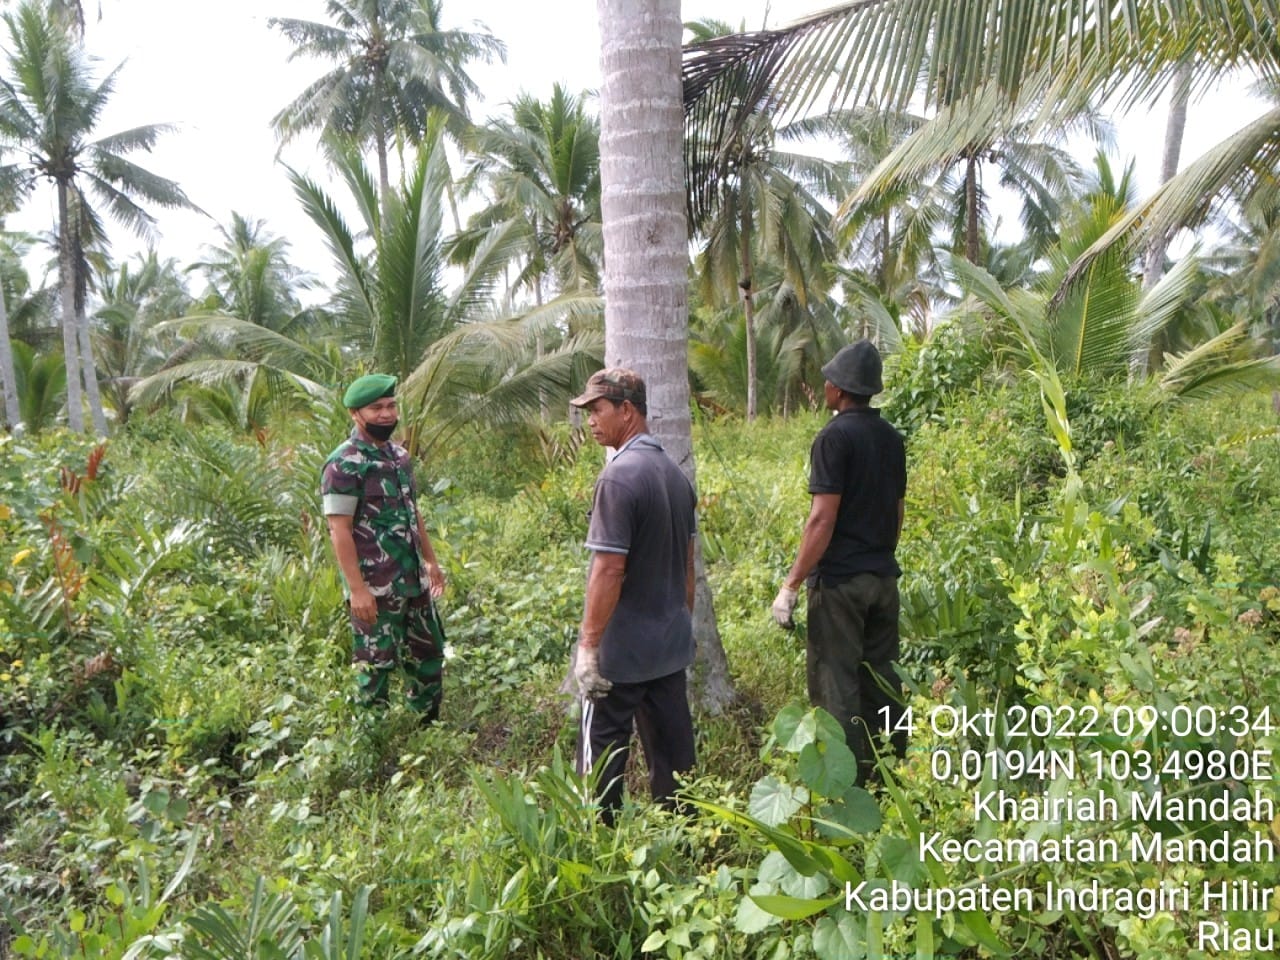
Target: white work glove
586, 670
783, 604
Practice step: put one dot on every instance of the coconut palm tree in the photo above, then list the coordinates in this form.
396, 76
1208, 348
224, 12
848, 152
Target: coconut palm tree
31, 309
404, 321
247, 345
136, 297
762, 210
1100, 321
541, 172
798, 333
886, 260
645, 243
765, 215
41, 383
987, 66
1244, 274
50, 106
393, 65
250, 275
394, 295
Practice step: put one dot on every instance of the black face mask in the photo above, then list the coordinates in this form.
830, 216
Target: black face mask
381, 431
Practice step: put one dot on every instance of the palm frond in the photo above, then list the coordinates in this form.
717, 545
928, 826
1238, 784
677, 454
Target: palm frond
324, 213
1164, 303
252, 341
884, 52
1217, 368
217, 372
1244, 161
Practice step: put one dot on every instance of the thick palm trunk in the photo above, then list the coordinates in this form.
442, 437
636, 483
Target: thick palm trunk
88, 363
378, 44
748, 310
1149, 356
384, 174
646, 249
89, 369
70, 353
971, 249
886, 225
12, 412
1173, 134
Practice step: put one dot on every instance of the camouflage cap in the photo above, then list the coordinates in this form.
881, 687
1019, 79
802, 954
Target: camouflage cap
364, 390
856, 369
614, 383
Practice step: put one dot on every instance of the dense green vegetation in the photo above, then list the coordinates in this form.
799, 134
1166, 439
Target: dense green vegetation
1091, 517
183, 770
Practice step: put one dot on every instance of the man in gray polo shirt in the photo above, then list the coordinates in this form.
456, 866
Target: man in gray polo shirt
636, 638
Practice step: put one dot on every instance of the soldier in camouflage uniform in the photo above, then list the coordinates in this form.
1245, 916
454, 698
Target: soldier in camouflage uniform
384, 553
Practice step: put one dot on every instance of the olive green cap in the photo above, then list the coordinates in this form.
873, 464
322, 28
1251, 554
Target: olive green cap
364, 390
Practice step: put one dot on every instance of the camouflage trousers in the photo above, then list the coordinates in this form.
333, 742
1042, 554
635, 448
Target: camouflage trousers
407, 633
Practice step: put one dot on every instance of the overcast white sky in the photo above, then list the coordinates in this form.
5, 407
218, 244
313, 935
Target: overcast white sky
218, 73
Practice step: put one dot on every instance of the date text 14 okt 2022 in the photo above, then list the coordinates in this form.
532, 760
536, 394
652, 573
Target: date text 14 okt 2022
1086, 720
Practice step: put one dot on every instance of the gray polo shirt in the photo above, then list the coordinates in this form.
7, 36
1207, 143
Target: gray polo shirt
644, 508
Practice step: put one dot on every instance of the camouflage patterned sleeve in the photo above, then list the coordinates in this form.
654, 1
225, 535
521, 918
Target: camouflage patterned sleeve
340, 488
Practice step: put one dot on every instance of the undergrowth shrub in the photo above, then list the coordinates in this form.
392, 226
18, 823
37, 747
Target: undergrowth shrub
178, 749
926, 377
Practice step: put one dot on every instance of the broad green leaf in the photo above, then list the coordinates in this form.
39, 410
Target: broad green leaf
841, 936
828, 768
177, 809
858, 813
827, 728
791, 729
653, 941
836, 865
924, 935
777, 873
751, 918
875, 934
773, 802
805, 888
576, 874
793, 908
901, 860
774, 870
156, 801
864, 808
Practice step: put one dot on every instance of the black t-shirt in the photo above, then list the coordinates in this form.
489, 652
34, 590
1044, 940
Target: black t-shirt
644, 508
860, 456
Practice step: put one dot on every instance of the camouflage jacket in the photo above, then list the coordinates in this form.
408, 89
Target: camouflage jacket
374, 486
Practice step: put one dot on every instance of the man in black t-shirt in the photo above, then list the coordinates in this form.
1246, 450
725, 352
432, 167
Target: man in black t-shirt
858, 480
636, 639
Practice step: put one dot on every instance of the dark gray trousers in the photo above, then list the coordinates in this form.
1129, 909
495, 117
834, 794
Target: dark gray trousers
853, 641
659, 710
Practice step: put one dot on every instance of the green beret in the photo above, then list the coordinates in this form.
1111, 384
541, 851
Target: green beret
366, 389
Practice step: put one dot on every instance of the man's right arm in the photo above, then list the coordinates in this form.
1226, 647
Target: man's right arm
604, 589
363, 605
818, 528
